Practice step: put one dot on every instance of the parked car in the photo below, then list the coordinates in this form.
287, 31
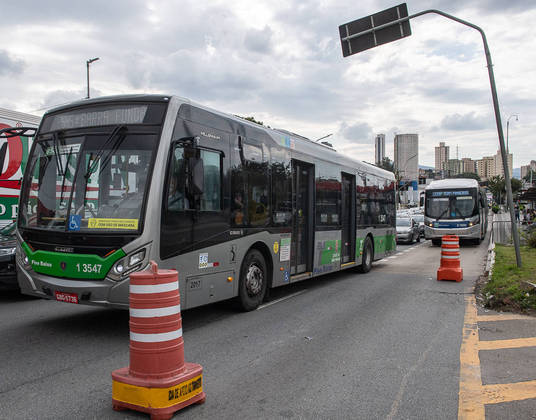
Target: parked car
419, 218
407, 230
8, 245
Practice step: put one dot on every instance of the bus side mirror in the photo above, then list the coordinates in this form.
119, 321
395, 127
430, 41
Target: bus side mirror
198, 175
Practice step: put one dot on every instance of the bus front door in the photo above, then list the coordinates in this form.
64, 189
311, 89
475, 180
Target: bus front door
302, 221
348, 218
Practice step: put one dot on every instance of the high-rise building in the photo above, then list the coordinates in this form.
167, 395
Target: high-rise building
441, 156
379, 148
406, 159
485, 167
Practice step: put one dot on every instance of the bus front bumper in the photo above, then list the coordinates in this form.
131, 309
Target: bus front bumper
435, 233
89, 292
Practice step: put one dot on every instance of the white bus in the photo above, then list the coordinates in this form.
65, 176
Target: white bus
456, 206
236, 208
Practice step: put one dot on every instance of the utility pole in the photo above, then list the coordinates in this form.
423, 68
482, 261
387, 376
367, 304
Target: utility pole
88, 62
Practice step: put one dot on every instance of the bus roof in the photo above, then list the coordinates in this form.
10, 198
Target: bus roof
282, 138
444, 184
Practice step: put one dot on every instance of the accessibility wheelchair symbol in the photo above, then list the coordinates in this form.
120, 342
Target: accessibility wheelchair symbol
75, 220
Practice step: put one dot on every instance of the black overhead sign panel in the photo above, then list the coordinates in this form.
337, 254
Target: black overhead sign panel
362, 34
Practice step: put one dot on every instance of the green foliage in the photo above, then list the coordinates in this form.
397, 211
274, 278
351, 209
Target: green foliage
531, 239
251, 119
516, 185
497, 186
509, 285
387, 164
495, 208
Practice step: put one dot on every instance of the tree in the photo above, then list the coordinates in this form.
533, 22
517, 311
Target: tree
497, 185
470, 175
516, 185
387, 164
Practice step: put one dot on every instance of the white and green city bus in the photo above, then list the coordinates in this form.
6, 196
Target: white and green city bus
236, 208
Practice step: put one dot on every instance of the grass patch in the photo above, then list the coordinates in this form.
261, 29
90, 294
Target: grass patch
508, 287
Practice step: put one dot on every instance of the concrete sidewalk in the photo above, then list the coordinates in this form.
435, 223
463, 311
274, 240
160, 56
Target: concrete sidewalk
497, 361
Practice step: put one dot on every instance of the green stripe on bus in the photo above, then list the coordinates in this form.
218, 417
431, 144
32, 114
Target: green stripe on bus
74, 266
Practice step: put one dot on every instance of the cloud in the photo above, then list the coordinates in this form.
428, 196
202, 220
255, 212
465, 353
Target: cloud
360, 133
259, 41
10, 65
466, 122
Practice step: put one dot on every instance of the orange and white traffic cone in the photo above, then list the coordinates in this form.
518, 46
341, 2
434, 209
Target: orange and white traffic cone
450, 268
158, 381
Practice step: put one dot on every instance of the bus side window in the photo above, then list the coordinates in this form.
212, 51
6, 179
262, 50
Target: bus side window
211, 198
177, 199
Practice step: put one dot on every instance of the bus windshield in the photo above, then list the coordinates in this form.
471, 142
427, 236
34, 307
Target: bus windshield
450, 204
89, 182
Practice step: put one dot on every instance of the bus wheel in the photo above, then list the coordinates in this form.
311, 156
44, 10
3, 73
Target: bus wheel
253, 281
366, 262
436, 242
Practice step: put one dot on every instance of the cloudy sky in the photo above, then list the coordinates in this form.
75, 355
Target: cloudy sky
281, 62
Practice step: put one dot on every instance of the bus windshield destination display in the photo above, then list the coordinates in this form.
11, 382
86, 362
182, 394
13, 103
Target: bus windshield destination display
90, 117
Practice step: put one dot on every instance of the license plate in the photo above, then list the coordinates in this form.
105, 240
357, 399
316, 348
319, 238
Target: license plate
67, 297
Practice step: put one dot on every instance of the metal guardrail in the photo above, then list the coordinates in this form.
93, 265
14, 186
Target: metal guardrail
501, 231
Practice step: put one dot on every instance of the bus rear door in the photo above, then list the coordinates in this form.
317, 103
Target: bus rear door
302, 220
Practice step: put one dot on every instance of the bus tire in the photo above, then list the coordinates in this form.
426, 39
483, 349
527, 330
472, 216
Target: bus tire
253, 281
436, 242
368, 253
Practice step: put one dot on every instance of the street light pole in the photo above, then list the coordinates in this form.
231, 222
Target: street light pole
88, 62
507, 129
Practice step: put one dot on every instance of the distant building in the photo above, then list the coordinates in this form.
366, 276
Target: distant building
406, 160
525, 169
379, 148
454, 167
499, 169
441, 157
485, 167
468, 166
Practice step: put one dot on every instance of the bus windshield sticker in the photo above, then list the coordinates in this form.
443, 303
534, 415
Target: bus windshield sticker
75, 221
94, 223
284, 254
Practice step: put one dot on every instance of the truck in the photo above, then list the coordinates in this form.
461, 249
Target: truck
16, 156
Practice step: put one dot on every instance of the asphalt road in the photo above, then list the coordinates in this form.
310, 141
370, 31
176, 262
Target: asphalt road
380, 345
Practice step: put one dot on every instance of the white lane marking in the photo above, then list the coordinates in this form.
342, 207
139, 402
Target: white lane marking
281, 299
155, 338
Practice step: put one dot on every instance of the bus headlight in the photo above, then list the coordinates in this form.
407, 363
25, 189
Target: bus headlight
22, 257
132, 262
136, 258
475, 220
119, 267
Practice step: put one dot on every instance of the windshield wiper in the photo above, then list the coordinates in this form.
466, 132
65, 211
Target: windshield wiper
64, 173
92, 163
442, 214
